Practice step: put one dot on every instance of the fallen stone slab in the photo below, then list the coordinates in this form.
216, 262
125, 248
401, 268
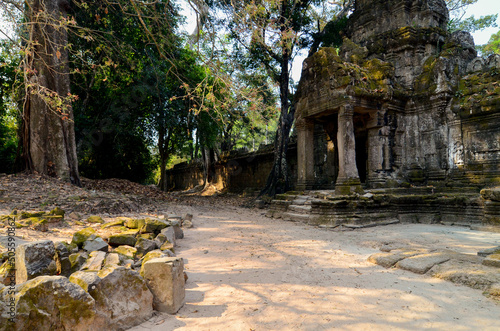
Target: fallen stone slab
123, 238
489, 251
389, 259
50, 303
422, 263
94, 243
35, 259
95, 219
111, 260
492, 260
466, 273
165, 279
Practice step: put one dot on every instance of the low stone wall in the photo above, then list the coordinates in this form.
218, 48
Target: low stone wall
238, 172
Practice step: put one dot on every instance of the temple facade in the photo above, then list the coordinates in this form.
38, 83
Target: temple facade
402, 103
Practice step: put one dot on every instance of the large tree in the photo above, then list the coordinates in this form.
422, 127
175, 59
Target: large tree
48, 129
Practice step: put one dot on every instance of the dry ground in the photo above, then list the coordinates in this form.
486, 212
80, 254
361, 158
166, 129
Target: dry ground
249, 272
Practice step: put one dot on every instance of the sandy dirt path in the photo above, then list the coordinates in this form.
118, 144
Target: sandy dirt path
249, 272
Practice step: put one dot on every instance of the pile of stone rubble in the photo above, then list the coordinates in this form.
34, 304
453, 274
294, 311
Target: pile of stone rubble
111, 276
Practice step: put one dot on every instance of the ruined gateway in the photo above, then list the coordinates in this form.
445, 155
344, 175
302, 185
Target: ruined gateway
405, 109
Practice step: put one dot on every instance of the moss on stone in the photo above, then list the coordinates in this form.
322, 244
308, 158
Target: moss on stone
81, 236
95, 219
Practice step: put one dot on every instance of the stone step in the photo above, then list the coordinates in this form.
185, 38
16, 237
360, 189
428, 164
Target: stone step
299, 202
295, 217
304, 209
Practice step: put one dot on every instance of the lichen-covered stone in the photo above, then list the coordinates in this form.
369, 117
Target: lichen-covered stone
153, 226
35, 259
167, 246
135, 223
95, 261
117, 222
124, 238
126, 250
165, 278
53, 303
79, 237
57, 211
144, 246
77, 260
95, 219
121, 296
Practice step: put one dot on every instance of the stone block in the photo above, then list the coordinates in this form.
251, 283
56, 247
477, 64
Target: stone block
387, 260
492, 260
95, 244
144, 246
422, 263
95, 219
123, 238
121, 296
35, 259
77, 260
489, 251
81, 236
134, 223
127, 251
154, 226
62, 259
112, 260
165, 278
95, 261
169, 233
179, 234
149, 256
52, 303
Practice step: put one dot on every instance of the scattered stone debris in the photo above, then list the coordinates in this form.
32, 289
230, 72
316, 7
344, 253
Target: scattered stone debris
470, 270
91, 277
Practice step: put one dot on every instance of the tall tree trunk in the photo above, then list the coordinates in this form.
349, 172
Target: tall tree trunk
278, 180
164, 149
49, 136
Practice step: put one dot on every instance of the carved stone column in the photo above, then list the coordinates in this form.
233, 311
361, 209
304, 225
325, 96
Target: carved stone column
305, 154
348, 179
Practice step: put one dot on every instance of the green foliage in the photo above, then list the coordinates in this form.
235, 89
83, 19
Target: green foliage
493, 45
331, 36
471, 24
9, 62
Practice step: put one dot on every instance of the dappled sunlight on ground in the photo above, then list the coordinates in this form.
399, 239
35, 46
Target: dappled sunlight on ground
247, 272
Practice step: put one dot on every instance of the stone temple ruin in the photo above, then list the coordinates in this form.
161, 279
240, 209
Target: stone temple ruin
405, 109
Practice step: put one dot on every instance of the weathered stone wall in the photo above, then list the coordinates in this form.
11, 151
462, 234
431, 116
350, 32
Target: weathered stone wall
405, 101
244, 171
